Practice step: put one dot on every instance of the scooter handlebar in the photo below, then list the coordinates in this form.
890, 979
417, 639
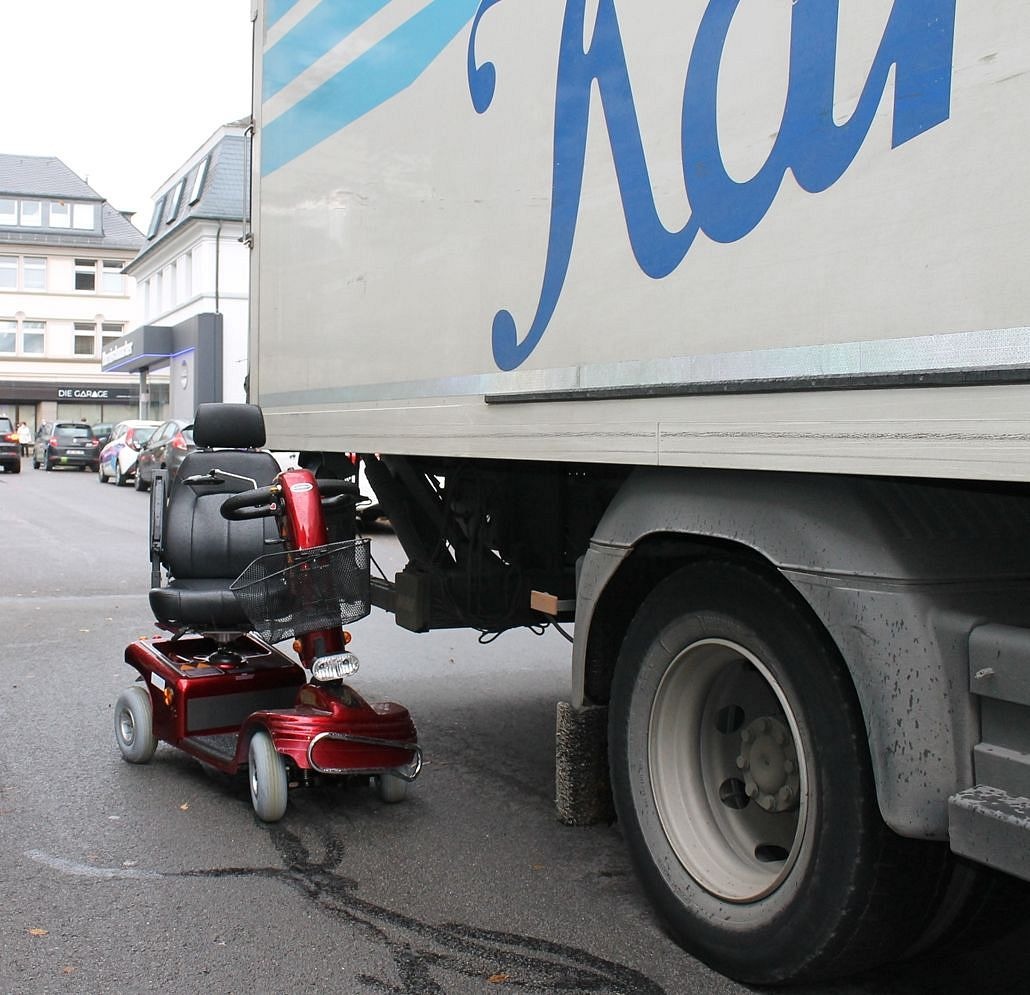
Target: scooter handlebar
258, 503
337, 495
263, 501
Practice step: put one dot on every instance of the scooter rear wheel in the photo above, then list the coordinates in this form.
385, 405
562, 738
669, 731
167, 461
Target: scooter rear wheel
134, 725
268, 784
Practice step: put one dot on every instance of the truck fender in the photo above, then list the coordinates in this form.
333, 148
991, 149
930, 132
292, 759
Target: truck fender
893, 579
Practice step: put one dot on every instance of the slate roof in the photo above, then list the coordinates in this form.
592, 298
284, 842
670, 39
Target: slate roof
47, 178
223, 196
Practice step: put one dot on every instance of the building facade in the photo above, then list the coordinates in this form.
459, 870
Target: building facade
192, 282
64, 295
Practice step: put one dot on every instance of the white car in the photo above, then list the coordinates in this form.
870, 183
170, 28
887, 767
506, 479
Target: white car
118, 457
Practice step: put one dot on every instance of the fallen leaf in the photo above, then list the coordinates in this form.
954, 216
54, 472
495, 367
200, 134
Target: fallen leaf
185, 806
498, 979
39, 932
68, 970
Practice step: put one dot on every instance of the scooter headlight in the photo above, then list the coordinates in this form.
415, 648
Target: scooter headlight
334, 667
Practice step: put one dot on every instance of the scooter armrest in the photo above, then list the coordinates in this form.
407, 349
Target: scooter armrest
157, 526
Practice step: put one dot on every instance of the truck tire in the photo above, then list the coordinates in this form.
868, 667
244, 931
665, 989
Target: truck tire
742, 781
976, 905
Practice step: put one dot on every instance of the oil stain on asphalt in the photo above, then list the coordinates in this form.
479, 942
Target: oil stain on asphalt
429, 958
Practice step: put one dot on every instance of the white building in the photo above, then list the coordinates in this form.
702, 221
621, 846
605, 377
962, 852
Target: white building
193, 280
64, 294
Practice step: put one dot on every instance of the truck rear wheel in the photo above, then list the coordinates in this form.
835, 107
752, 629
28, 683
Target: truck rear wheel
742, 781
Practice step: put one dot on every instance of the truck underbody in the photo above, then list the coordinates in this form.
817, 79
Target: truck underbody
912, 594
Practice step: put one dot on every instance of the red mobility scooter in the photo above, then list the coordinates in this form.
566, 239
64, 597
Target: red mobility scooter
249, 563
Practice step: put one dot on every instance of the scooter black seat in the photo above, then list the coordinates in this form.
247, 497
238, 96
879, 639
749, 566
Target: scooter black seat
202, 552
207, 605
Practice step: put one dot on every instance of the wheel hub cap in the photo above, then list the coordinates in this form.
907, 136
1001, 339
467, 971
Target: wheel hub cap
769, 763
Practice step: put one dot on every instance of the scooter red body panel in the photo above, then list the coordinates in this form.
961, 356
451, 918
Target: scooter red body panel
198, 705
193, 697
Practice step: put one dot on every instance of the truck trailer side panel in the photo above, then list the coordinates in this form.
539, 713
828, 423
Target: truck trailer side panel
445, 192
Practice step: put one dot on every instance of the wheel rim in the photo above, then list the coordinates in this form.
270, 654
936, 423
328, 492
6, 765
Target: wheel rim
729, 780
255, 780
127, 727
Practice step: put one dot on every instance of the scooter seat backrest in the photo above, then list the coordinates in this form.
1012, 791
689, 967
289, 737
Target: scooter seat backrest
220, 425
198, 542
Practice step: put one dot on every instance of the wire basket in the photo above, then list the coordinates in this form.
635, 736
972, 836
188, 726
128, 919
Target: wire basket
289, 593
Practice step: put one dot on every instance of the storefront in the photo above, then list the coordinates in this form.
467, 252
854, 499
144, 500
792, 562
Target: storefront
187, 357
35, 402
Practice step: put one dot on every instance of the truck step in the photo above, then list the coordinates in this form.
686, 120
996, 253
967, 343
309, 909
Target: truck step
992, 827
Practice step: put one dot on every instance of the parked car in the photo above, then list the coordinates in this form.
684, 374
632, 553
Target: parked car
10, 457
118, 457
165, 450
103, 432
65, 443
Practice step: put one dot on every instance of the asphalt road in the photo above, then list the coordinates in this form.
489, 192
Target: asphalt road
123, 879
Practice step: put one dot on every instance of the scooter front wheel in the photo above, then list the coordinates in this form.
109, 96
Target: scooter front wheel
391, 788
268, 784
134, 725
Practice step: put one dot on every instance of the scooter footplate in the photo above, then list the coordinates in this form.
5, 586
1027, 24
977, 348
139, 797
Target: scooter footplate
220, 748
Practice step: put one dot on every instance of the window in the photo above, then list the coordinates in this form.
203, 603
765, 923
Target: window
155, 218
85, 339
85, 274
31, 213
32, 337
111, 332
8, 212
8, 335
111, 281
198, 181
83, 216
60, 214
33, 273
174, 200
173, 282
8, 272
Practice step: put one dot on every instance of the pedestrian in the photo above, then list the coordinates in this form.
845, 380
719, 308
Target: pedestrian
25, 438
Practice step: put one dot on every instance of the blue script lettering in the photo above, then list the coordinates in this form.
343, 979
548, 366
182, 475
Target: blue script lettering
917, 43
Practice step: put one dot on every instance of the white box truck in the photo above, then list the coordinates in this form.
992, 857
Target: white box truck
702, 324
